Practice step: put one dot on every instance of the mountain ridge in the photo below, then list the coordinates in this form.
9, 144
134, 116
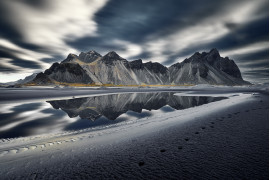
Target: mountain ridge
93, 68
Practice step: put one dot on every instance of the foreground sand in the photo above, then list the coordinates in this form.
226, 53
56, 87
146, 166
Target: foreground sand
226, 139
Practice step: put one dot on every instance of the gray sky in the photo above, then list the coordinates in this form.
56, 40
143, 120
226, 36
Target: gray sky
36, 33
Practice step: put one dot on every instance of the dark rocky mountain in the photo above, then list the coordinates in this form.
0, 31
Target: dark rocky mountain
89, 57
92, 68
206, 68
68, 72
112, 56
42, 79
70, 58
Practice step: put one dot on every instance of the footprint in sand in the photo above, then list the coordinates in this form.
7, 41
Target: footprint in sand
22, 149
13, 151
32, 147
41, 145
49, 144
141, 163
3, 153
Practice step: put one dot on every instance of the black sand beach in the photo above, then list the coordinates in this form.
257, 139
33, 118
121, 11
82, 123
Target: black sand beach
221, 140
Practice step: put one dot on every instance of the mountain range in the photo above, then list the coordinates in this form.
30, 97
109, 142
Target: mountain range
111, 69
20, 81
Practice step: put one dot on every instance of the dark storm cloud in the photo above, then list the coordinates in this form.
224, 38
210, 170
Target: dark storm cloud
40, 4
10, 31
6, 69
25, 64
134, 21
13, 34
53, 59
99, 44
241, 35
259, 55
34, 32
144, 55
260, 74
6, 53
7, 30
256, 64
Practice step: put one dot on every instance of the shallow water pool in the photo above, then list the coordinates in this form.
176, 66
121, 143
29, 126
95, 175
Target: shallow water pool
28, 119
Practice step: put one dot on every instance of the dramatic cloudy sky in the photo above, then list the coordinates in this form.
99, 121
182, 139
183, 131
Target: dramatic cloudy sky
36, 33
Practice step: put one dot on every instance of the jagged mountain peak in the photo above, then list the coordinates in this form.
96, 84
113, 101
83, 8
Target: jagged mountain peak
214, 51
113, 56
211, 56
196, 57
178, 64
71, 57
89, 56
136, 64
137, 61
93, 52
156, 67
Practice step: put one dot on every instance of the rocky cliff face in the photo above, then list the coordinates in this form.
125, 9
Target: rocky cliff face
89, 57
64, 72
92, 68
206, 68
111, 69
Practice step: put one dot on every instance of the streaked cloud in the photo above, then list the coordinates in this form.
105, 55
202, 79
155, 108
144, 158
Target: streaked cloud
34, 34
47, 25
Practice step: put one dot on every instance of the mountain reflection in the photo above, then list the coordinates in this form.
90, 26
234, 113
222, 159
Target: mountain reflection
112, 106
